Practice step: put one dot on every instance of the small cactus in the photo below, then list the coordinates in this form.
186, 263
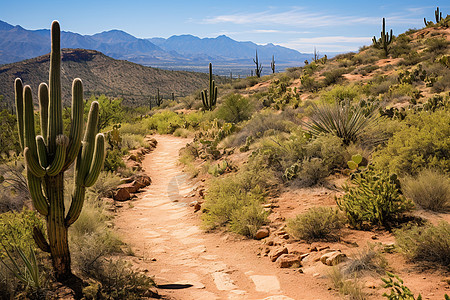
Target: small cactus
354, 163
210, 103
259, 67
384, 40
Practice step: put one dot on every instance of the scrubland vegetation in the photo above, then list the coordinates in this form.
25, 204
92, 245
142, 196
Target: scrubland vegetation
378, 118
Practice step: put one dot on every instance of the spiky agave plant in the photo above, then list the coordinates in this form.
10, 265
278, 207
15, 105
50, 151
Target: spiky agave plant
49, 155
341, 119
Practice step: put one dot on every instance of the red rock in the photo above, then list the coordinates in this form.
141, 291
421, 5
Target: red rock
262, 233
277, 252
288, 260
131, 187
122, 195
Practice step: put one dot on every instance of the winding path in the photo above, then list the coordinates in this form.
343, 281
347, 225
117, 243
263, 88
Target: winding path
187, 263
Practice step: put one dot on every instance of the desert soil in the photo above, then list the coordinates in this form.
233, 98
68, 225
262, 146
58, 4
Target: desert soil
188, 263
166, 237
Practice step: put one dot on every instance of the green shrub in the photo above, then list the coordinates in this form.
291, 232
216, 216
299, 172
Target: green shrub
113, 160
103, 187
165, 122
230, 196
318, 223
137, 128
398, 290
330, 149
234, 109
373, 199
118, 281
430, 189
248, 219
340, 93
426, 244
421, 141
333, 76
16, 229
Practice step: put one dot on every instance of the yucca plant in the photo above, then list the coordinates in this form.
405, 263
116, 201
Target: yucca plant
28, 274
340, 119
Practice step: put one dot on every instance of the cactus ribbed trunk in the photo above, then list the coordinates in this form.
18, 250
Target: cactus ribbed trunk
57, 229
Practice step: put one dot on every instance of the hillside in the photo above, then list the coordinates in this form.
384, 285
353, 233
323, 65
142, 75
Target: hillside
101, 75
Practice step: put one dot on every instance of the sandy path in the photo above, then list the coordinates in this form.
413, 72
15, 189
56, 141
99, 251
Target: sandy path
166, 237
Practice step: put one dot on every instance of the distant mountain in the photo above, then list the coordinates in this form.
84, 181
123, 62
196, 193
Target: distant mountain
101, 75
225, 48
176, 52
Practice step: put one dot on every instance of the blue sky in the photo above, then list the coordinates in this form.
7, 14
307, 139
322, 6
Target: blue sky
330, 26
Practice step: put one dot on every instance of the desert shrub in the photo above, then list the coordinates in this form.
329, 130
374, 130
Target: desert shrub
401, 46
312, 171
318, 223
419, 142
437, 46
113, 160
230, 196
330, 149
106, 182
367, 56
343, 120
137, 128
398, 291
234, 109
427, 244
350, 287
430, 189
117, 280
259, 124
373, 199
368, 259
164, 122
193, 119
333, 76
13, 187
309, 83
402, 91
182, 132
16, 229
131, 141
340, 93
248, 220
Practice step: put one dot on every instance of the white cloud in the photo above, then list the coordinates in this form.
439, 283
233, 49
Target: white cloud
300, 17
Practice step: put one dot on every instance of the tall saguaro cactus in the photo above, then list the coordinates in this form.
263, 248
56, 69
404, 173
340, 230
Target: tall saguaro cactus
272, 64
384, 40
209, 103
49, 155
437, 17
259, 67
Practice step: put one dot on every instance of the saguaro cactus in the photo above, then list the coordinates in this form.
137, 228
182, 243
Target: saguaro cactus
437, 17
259, 67
272, 64
49, 155
209, 103
384, 40
158, 98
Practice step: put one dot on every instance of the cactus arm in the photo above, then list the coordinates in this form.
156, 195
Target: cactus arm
42, 151
215, 96
76, 129
60, 156
43, 108
40, 240
76, 206
33, 164
425, 21
98, 159
55, 126
35, 187
18, 89
204, 99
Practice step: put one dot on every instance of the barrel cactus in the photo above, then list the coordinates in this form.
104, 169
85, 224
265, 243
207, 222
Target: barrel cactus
49, 155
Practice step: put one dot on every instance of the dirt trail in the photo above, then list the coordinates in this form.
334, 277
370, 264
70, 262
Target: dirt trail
165, 235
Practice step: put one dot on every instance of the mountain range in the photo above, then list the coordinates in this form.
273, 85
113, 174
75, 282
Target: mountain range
186, 52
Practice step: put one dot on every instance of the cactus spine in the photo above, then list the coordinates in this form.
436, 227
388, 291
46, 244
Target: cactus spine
384, 40
209, 104
47, 156
272, 64
258, 69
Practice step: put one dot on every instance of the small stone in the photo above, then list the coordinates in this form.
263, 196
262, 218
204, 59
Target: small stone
288, 260
374, 237
197, 207
323, 248
316, 274
277, 252
130, 187
262, 233
333, 258
370, 285
122, 195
